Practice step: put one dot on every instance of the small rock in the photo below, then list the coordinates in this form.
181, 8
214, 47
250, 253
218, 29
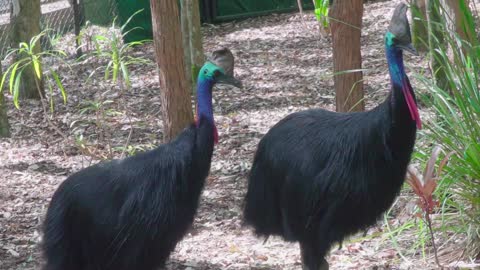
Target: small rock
33, 167
13, 253
6, 215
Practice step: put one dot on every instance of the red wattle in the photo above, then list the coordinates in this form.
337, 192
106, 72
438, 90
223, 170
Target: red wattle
215, 131
412, 107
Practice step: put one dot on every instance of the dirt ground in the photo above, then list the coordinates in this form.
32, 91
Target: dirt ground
285, 67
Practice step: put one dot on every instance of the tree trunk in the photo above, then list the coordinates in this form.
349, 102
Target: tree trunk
419, 25
174, 87
460, 24
192, 40
4, 125
346, 23
436, 41
25, 21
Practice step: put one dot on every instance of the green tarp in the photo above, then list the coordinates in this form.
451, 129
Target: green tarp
212, 11
99, 12
224, 10
142, 20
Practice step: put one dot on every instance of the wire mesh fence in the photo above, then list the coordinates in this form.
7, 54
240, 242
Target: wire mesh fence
58, 15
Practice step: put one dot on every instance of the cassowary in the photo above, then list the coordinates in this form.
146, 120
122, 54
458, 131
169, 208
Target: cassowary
129, 214
224, 58
320, 176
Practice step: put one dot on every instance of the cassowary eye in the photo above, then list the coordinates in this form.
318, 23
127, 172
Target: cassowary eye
216, 73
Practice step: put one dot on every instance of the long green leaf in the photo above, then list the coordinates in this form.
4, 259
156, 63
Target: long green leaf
100, 38
59, 85
13, 73
16, 89
34, 41
130, 30
11, 52
107, 70
51, 97
130, 18
37, 66
4, 77
125, 74
115, 71
22, 46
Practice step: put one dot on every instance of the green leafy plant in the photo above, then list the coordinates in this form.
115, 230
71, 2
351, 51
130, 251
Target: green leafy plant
321, 11
33, 60
456, 123
119, 59
111, 47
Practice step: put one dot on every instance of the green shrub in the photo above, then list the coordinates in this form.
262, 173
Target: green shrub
456, 124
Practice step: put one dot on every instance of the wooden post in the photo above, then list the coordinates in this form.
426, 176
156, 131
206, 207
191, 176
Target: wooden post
192, 40
185, 17
174, 87
419, 25
345, 24
78, 20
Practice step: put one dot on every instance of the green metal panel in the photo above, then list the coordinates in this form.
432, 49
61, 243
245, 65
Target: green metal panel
225, 10
211, 11
99, 12
142, 20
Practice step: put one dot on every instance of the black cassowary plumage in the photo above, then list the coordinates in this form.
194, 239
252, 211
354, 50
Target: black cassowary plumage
319, 176
107, 217
129, 214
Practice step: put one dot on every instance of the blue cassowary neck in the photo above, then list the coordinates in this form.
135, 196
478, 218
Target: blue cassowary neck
403, 98
395, 66
397, 75
204, 99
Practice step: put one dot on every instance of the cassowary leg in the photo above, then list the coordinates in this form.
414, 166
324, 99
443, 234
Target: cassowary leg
312, 257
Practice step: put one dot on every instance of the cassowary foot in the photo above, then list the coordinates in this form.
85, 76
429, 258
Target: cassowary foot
323, 266
313, 257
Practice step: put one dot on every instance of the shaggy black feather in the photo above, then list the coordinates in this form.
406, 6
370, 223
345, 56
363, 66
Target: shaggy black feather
320, 176
129, 214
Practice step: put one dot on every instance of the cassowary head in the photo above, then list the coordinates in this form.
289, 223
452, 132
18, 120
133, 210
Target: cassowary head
399, 30
223, 58
216, 74
209, 75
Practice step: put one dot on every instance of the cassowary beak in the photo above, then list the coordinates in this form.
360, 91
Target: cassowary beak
226, 79
409, 48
